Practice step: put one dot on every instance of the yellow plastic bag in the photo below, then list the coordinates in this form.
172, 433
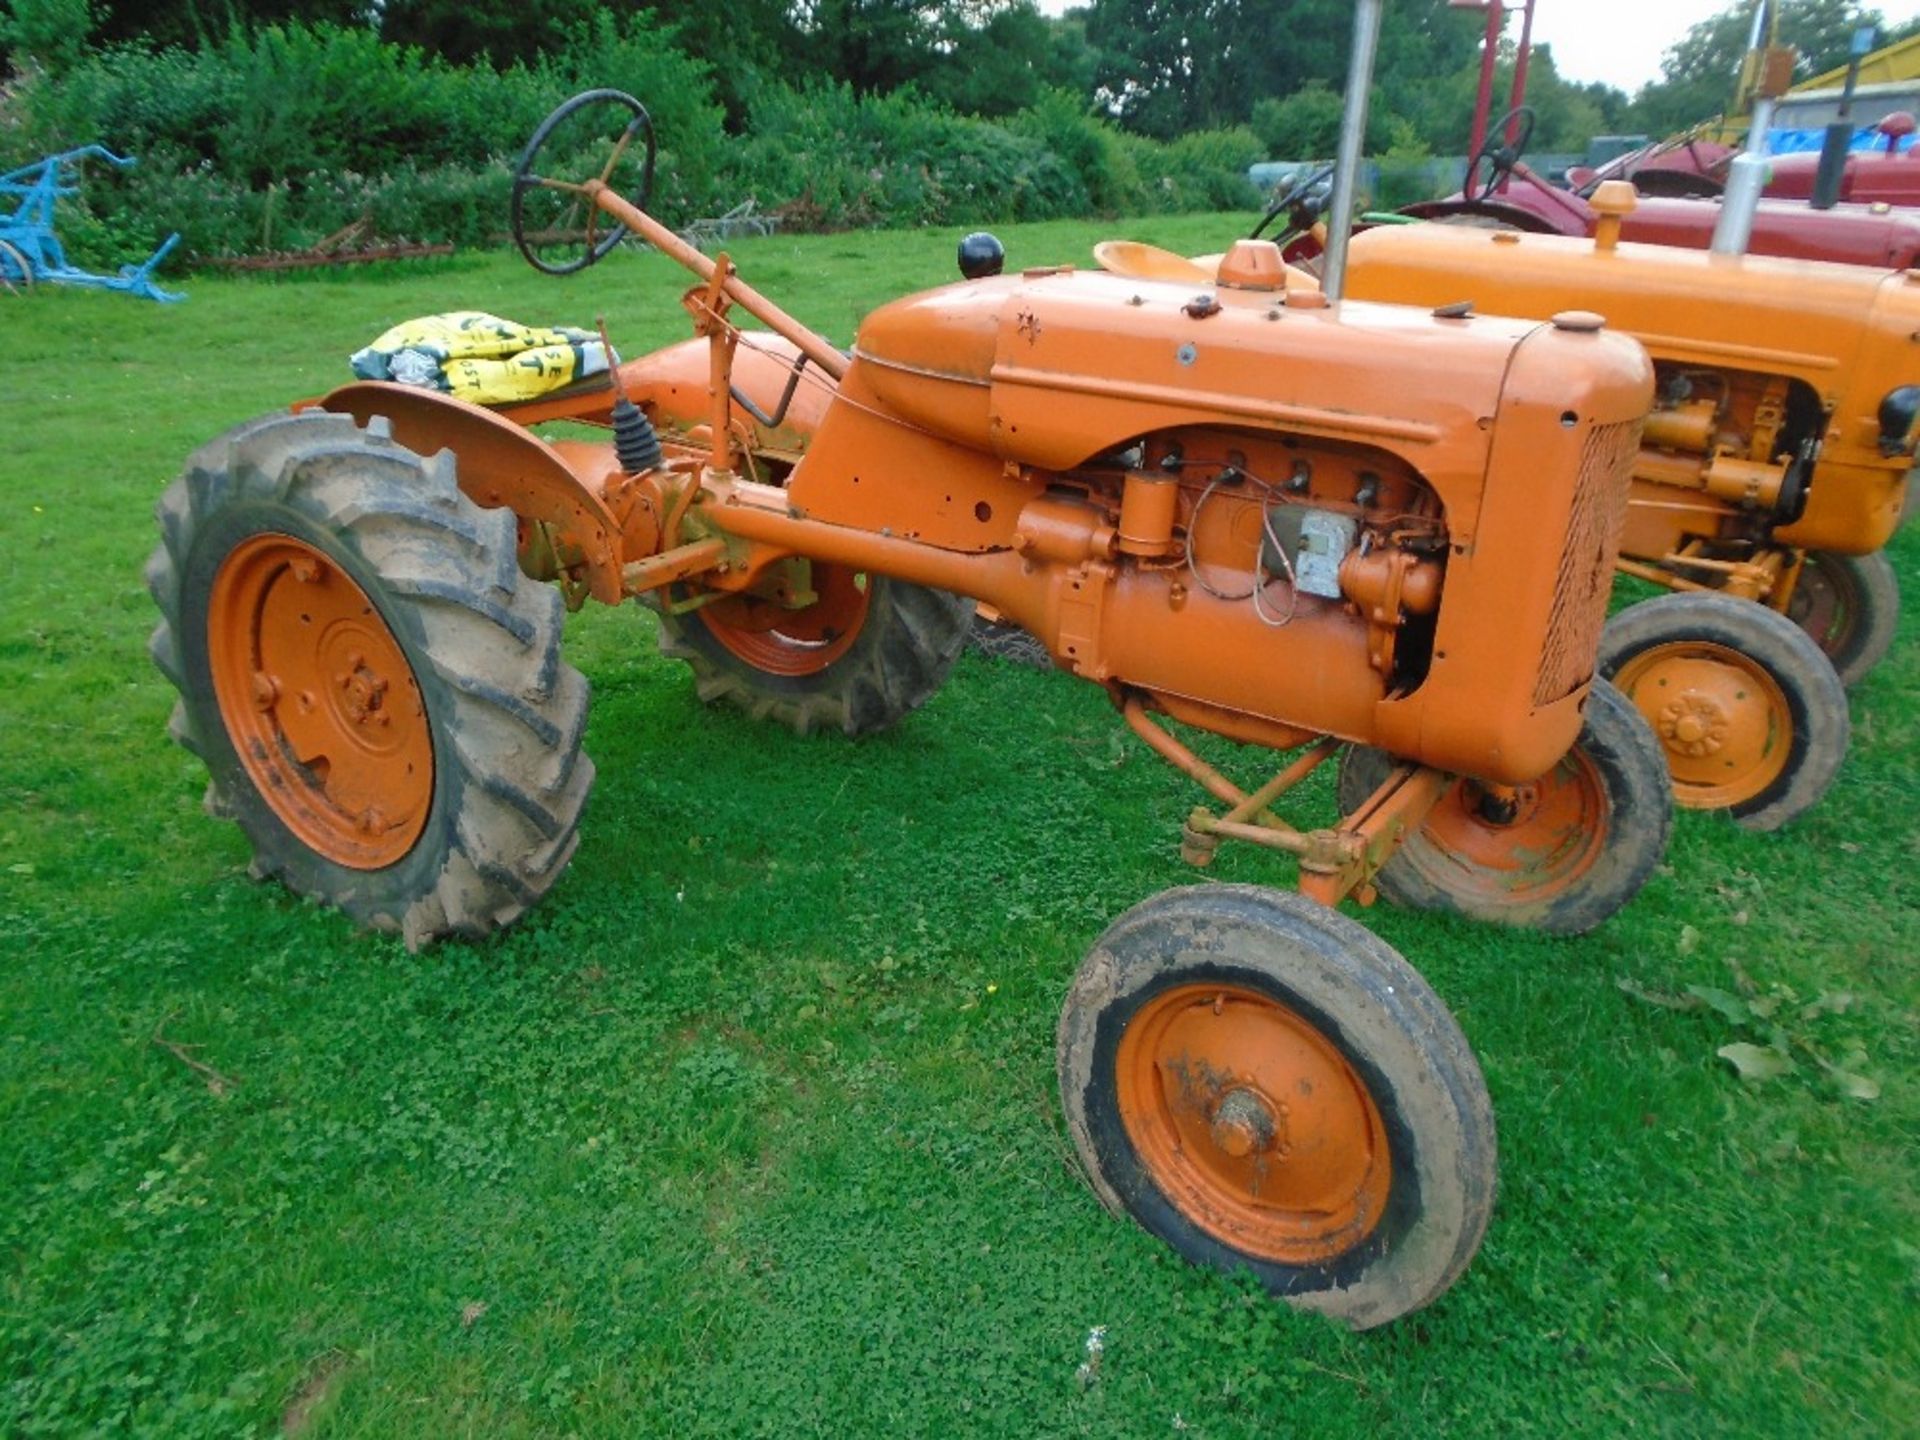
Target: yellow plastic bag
480, 357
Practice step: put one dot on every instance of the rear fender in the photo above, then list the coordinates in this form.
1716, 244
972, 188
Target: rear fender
498, 463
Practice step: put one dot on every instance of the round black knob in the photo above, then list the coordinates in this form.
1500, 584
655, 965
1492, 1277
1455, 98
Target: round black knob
981, 255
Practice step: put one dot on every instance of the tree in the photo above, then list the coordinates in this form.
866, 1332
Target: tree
198, 23
51, 33
1699, 73
1170, 66
1304, 126
1006, 61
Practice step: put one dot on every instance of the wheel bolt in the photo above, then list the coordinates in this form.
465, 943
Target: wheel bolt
266, 690
306, 569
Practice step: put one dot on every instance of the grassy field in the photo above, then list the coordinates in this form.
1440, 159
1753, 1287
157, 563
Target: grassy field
751, 1127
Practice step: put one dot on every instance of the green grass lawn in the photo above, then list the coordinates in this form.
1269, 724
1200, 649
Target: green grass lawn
751, 1126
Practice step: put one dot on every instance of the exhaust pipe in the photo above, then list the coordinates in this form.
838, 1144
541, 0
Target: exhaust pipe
1747, 176
1839, 137
1747, 172
1353, 138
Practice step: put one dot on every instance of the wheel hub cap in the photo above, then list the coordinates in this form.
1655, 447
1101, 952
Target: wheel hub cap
1693, 724
1243, 1123
1722, 719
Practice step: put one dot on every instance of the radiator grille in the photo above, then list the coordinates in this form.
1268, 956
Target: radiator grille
1585, 578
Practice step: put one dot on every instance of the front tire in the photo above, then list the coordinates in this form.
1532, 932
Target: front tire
375, 688
1266, 1086
1578, 844
1850, 605
861, 658
1748, 711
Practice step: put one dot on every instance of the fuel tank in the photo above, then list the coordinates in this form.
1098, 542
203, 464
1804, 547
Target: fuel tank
1050, 367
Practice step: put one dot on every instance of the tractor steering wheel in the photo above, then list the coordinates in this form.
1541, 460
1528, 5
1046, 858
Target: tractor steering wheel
1302, 190
1500, 156
556, 223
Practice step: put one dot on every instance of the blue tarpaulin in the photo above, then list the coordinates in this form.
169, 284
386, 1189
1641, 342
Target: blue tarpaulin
1799, 142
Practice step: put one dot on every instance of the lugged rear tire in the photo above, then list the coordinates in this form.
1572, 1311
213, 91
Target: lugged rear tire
881, 654
335, 614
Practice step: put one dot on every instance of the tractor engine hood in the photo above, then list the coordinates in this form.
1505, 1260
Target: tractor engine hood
1053, 367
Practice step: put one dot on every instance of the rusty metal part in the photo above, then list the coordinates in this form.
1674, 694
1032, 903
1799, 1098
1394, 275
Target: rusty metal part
311, 259
1348, 857
669, 567
346, 246
1756, 576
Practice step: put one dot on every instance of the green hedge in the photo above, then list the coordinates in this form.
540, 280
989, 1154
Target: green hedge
278, 137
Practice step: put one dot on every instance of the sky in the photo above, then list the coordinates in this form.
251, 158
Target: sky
1616, 41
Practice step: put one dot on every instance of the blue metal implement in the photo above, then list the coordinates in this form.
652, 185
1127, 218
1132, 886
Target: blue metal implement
30, 251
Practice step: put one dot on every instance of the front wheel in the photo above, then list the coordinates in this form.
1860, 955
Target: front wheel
1751, 716
1850, 605
1266, 1086
1560, 854
867, 652
374, 687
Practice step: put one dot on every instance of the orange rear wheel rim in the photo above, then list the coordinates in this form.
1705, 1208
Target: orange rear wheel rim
322, 706
779, 641
1252, 1123
1723, 721
1531, 843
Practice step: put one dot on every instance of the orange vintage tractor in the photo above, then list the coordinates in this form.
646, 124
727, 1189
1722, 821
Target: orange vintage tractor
1339, 530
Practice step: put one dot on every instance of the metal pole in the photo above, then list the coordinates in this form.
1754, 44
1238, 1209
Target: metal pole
1518, 95
1483, 99
1353, 139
